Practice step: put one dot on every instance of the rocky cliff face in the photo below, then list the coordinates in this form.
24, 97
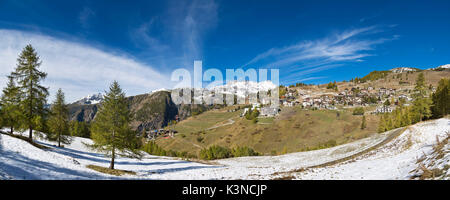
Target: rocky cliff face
83, 113
149, 111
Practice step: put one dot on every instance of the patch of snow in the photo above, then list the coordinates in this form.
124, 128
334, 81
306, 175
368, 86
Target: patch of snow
447, 66
394, 160
159, 90
402, 69
91, 99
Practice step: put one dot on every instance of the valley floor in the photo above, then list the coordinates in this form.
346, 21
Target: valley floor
377, 157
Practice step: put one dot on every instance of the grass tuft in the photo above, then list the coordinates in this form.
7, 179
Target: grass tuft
105, 170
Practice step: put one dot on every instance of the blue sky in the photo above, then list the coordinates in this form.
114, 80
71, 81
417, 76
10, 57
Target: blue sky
85, 44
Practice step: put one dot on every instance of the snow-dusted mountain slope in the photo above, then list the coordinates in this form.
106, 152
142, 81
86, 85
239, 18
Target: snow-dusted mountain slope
396, 159
239, 88
402, 69
447, 66
243, 88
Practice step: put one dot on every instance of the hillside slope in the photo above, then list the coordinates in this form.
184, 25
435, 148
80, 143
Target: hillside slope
293, 130
401, 158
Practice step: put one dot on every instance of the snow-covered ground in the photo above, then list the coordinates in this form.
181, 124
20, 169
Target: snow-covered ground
395, 160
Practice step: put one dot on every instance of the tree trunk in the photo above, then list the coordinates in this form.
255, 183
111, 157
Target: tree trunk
30, 133
59, 140
31, 112
12, 130
111, 166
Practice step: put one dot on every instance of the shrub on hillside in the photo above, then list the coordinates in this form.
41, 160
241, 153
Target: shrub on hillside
219, 152
153, 149
215, 152
244, 151
375, 75
252, 114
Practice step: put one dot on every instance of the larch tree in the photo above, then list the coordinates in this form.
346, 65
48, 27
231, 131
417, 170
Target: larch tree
33, 96
397, 118
406, 119
59, 120
382, 124
79, 129
421, 104
389, 121
441, 99
363, 122
110, 130
10, 115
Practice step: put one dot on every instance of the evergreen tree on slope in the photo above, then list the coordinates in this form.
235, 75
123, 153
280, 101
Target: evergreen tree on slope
33, 96
10, 115
422, 104
441, 99
110, 130
59, 121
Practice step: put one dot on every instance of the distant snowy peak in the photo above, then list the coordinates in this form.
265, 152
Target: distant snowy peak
247, 85
410, 69
244, 88
403, 69
447, 66
159, 90
91, 99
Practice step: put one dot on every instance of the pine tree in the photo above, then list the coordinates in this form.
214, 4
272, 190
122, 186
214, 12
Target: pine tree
110, 129
397, 118
32, 95
406, 120
363, 123
420, 85
79, 129
10, 106
421, 103
441, 99
387, 103
382, 124
389, 122
59, 120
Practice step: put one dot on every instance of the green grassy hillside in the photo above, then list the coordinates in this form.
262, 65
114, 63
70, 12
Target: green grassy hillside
293, 130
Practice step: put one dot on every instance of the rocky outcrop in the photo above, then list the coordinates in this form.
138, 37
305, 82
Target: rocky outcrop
83, 113
149, 111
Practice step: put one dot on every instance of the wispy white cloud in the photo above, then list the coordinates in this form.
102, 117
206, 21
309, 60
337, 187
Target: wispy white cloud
295, 80
303, 73
322, 54
337, 47
196, 20
178, 33
84, 16
77, 68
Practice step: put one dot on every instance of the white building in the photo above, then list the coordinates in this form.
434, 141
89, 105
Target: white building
383, 109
